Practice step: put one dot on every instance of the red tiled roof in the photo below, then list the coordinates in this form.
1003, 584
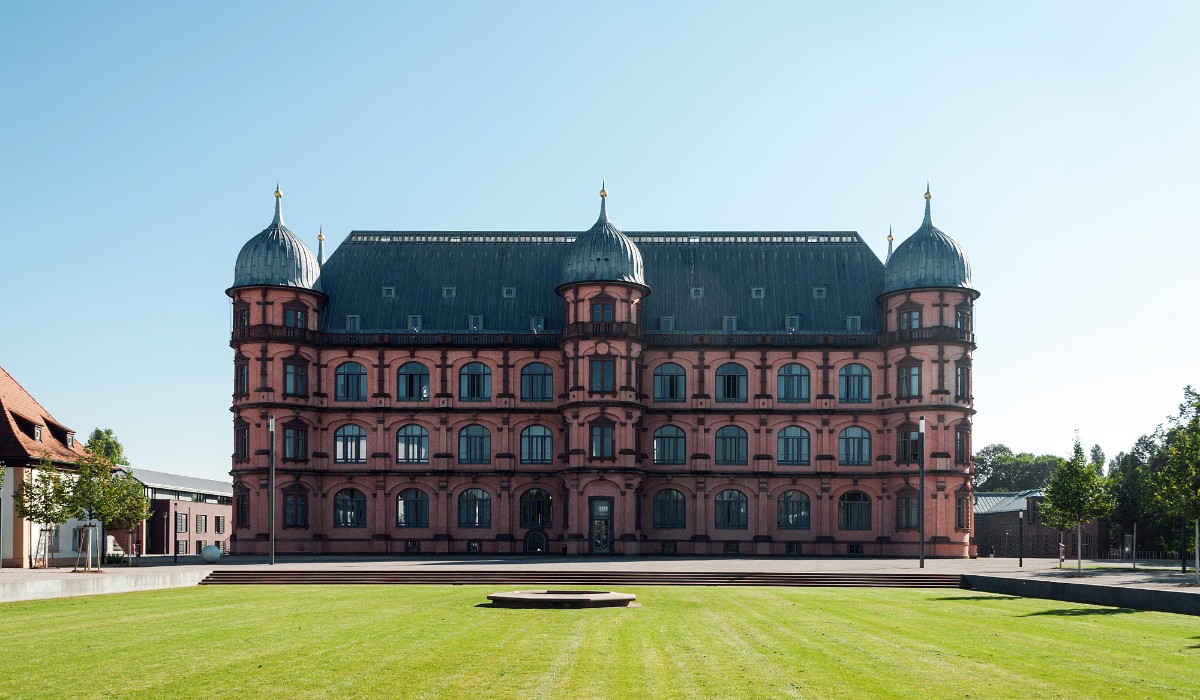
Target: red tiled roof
19, 411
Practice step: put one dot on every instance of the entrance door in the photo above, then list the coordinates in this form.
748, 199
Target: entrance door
601, 532
535, 542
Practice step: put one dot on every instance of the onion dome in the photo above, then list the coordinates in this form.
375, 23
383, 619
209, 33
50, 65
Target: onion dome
603, 254
928, 258
276, 257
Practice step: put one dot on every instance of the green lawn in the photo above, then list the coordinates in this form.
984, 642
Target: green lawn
428, 641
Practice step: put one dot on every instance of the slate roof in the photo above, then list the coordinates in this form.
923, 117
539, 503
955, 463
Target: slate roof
988, 503
19, 413
178, 482
603, 254
474, 268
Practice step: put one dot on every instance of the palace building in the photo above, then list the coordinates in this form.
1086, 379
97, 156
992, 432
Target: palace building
602, 392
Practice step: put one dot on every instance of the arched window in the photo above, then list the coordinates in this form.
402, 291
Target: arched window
670, 383
670, 510
475, 382
854, 447
731, 383
412, 445
793, 383
474, 445
854, 384
537, 382
793, 445
854, 511
731, 445
732, 510
537, 445
349, 508
412, 382
908, 443
349, 445
536, 509
412, 508
669, 445
350, 382
793, 511
474, 508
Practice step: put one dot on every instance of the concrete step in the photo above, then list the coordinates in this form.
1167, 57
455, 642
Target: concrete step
582, 578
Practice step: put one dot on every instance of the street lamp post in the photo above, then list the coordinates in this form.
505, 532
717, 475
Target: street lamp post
1021, 538
174, 532
271, 494
921, 494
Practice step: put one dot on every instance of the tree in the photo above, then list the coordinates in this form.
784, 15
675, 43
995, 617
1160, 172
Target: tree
44, 498
1176, 486
1076, 494
1098, 459
127, 506
997, 468
105, 442
93, 490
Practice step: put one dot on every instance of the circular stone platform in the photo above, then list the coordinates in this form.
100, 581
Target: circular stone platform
562, 599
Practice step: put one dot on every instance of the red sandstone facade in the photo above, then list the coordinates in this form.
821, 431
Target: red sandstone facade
586, 440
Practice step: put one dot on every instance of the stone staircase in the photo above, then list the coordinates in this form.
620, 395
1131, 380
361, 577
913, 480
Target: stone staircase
544, 579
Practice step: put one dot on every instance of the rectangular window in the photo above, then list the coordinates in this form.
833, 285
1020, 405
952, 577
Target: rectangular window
906, 512
729, 324
818, 292
389, 292
908, 446
219, 524
537, 324
962, 513
353, 323
241, 510
508, 292
666, 324
295, 318
697, 292
602, 312
910, 320
242, 318
414, 323
295, 443
295, 379
758, 292
475, 322
295, 509
962, 319
602, 441
854, 324
962, 383
448, 292
201, 524
181, 522
908, 381
603, 375
792, 323
962, 446
55, 543
241, 443
241, 381
181, 546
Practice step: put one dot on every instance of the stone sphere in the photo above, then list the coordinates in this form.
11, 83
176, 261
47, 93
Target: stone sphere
210, 554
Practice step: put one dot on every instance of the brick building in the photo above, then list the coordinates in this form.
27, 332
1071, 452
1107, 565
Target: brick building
998, 527
602, 392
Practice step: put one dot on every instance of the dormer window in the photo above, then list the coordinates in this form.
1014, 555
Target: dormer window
854, 323
818, 292
449, 292
37, 433
758, 292
389, 292
508, 292
70, 439
414, 322
666, 324
475, 322
697, 292
537, 324
792, 323
729, 324
353, 323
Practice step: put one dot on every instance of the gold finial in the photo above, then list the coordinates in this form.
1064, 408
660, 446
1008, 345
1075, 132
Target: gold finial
321, 234
603, 189
927, 195
278, 194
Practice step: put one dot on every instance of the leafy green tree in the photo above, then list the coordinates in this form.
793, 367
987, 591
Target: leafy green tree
127, 506
1075, 495
997, 468
1097, 455
93, 491
104, 441
44, 498
1176, 486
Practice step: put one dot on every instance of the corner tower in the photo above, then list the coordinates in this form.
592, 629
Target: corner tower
928, 308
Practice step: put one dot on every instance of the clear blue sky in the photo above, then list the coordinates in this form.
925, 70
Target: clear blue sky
141, 142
